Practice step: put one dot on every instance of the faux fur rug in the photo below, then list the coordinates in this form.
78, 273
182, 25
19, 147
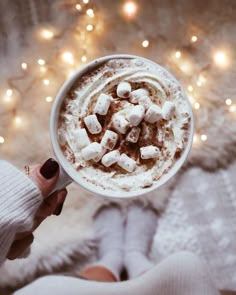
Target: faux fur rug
67, 241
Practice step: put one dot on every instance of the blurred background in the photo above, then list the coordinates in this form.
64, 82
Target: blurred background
43, 42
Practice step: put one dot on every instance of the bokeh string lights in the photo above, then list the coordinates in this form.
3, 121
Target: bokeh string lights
44, 69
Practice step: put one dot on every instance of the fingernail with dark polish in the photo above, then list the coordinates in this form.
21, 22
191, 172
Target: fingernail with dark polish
58, 210
49, 168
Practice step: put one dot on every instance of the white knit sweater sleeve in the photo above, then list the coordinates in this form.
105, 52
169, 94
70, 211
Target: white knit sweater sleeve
19, 200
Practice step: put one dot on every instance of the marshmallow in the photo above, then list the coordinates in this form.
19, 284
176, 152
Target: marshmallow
91, 151
153, 114
123, 90
62, 138
126, 163
110, 158
81, 138
120, 124
146, 181
102, 104
168, 110
149, 152
109, 139
99, 156
133, 135
145, 101
93, 124
137, 94
136, 115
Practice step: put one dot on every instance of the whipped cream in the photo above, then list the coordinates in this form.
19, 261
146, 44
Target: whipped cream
135, 90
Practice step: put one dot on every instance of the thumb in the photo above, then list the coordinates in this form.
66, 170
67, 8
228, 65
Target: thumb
46, 175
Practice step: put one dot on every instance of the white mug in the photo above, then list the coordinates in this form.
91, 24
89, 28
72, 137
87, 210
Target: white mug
68, 173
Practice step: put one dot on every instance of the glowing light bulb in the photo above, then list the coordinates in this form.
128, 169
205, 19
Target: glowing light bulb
145, 43
232, 108
194, 39
43, 69
2, 140
221, 59
49, 99
197, 105
228, 102
24, 66
89, 28
90, 12
203, 137
46, 34
195, 138
86, 1
18, 121
7, 99
130, 9
68, 57
83, 58
186, 67
46, 82
178, 54
9, 92
201, 81
190, 88
78, 7
41, 62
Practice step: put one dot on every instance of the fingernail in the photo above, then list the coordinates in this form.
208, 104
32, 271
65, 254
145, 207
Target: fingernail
58, 210
49, 168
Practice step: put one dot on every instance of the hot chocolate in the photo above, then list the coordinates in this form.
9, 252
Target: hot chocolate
124, 124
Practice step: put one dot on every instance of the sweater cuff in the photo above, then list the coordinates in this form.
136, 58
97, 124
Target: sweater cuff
20, 198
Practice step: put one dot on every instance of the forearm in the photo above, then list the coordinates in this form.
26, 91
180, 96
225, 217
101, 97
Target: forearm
19, 200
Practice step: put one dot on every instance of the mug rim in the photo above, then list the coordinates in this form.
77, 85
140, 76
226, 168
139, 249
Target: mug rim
68, 167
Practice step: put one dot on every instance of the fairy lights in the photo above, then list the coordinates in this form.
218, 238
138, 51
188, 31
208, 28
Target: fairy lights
43, 69
89, 28
41, 62
228, 102
194, 39
197, 105
2, 140
83, 58
9, 92
190, 88
47, 34
232, 108
201, 80
182, 59
221, 59
78, 7
18, 121
145, 43
90, 12
178, 54
68, 57
204, 137
130, 9
49, 99
24, 66
46, 82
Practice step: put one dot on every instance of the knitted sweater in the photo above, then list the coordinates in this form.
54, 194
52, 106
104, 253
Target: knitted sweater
19, 200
